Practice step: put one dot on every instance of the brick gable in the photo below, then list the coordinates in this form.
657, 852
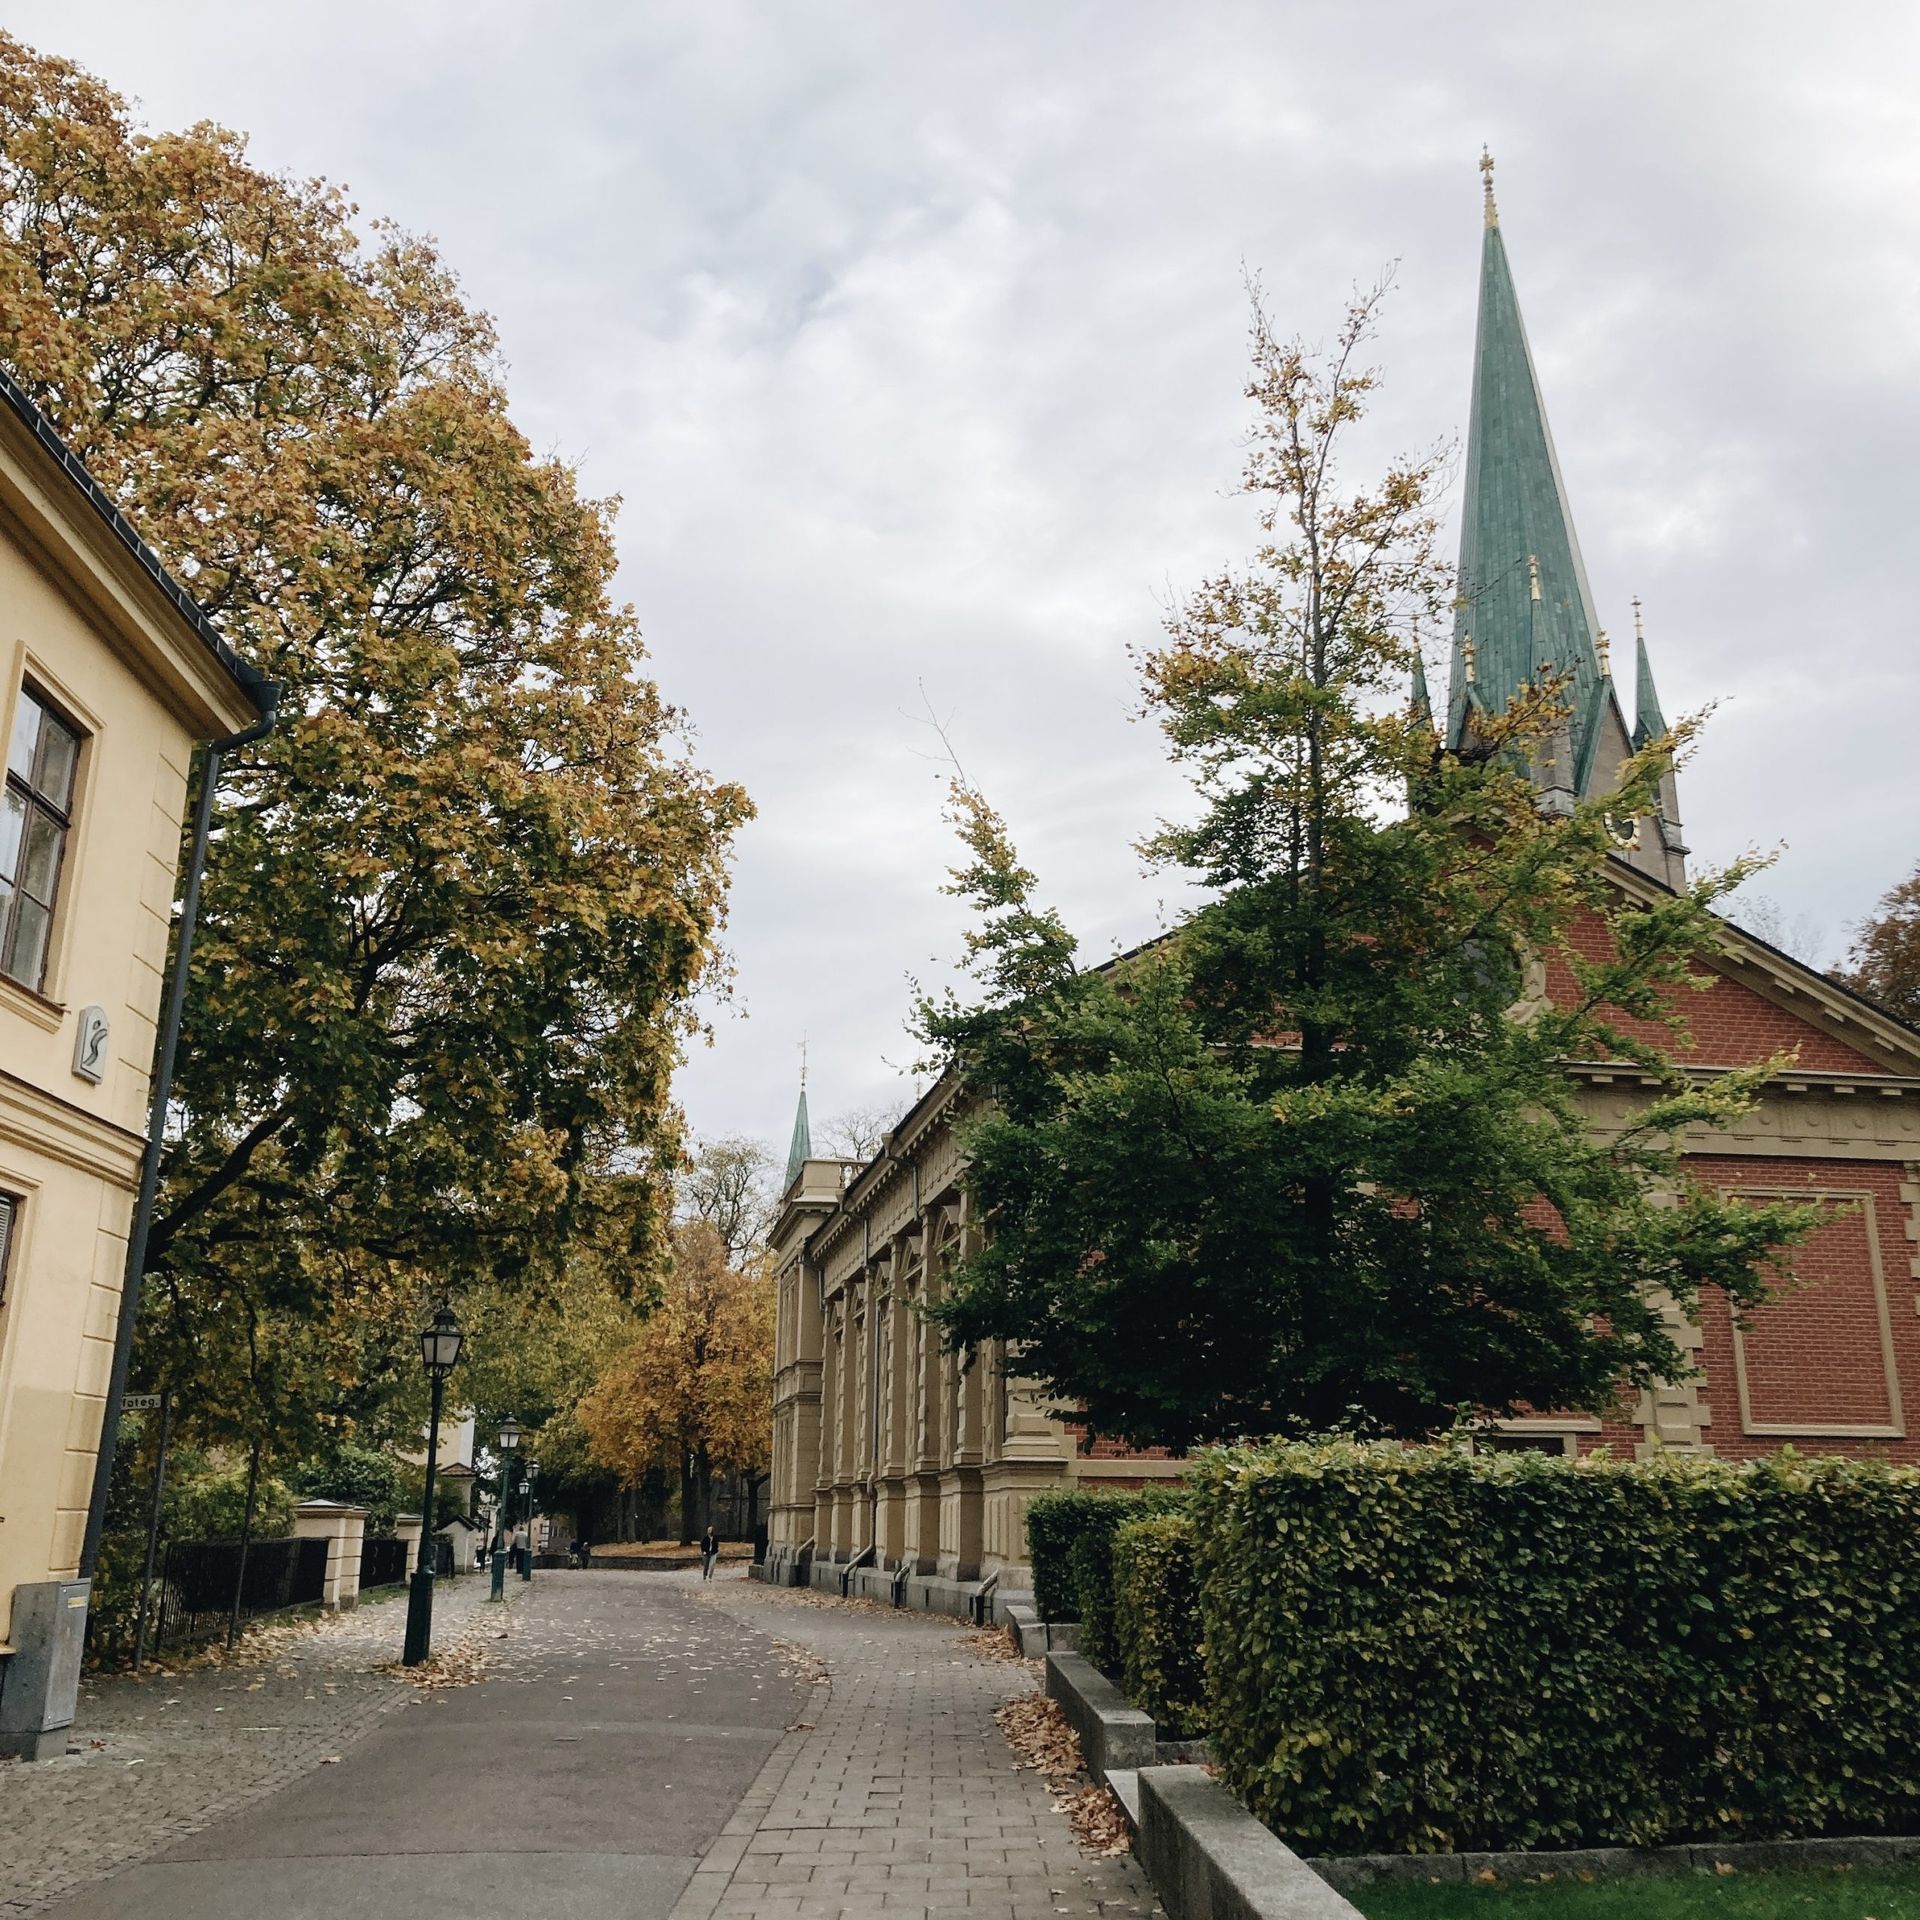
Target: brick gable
1731, 1025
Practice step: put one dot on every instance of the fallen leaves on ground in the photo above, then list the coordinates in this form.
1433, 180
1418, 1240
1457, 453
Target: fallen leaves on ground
1097, 1820
991, 1643
1039, 1735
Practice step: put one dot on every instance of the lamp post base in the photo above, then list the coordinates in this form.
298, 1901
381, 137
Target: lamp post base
498, 1590
526, 1563
419, 1643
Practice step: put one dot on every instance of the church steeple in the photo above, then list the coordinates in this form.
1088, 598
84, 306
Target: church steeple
1524, 599
1525, 610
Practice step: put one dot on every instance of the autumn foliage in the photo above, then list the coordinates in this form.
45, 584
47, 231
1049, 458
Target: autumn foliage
1884, 962
461, 899
694, 1392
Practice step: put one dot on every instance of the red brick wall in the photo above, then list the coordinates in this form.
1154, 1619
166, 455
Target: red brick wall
1814, 1354
1731, 1025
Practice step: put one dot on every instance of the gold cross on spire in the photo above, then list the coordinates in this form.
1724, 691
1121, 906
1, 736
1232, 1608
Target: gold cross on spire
1486, 177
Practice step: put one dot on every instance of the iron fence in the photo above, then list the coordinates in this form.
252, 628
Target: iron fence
198, 1577
383, 1563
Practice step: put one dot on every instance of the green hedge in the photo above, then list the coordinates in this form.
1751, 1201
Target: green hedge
1422, 1650
1156, 1622
1070, 1540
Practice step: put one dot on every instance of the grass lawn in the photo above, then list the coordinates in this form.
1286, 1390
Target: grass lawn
1823, 1894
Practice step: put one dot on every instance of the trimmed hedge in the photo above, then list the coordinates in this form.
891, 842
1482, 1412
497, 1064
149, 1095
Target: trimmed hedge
1070, 1539
1421, 1650
1156, 1622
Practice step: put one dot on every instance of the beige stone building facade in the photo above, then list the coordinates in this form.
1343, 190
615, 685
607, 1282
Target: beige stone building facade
108, 677
899, 1470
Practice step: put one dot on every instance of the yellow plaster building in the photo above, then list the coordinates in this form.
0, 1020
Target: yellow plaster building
108, 676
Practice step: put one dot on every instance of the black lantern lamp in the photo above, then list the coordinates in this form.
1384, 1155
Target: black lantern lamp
509, 1441
529, 1470
440, 1342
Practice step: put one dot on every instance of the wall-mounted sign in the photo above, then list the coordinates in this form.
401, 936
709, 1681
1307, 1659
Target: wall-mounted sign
90, 1044
139, 1402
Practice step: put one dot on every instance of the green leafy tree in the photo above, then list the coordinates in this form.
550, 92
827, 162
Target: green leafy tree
1314, 1160
460, 901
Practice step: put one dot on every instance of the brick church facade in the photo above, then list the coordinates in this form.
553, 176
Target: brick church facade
896, 1470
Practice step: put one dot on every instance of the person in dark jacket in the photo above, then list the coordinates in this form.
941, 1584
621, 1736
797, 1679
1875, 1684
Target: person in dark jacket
709, 1553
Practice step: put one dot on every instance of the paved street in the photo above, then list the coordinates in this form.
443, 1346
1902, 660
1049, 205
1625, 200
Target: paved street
636, 1746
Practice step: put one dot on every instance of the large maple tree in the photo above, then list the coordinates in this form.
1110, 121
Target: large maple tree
460, 901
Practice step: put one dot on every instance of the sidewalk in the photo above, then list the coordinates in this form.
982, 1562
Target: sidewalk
903, 1800
168, 1754
607, 1742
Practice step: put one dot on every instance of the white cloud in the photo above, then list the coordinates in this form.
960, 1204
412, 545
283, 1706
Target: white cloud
913, 339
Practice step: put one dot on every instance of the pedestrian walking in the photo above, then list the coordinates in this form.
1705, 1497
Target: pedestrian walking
586, 1551
709, 1553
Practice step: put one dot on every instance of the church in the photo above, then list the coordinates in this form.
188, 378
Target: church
899, 1473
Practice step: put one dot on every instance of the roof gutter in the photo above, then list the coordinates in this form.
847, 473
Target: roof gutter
268, 699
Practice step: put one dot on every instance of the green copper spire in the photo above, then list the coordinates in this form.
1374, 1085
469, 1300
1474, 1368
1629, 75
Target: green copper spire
1524, 599
801, 1151
1648, 721
1422, 700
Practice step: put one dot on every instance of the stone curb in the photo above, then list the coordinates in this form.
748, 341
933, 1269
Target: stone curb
1112, 1734
1210, 1859
1617, 1863
1034, 1638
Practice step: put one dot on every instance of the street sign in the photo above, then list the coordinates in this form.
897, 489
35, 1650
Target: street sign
139, 1402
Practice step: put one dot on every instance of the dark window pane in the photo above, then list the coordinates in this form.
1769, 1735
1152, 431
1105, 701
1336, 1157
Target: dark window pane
59, 748
13, 827
28, 960
26, 735
41, 867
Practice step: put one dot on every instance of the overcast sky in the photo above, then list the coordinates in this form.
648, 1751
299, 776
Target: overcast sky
913, 338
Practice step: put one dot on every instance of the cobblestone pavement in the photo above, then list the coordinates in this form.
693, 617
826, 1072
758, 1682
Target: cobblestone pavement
902, 1799
168, 1754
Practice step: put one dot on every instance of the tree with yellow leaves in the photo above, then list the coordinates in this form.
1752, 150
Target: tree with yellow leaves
695, 1390
460, 902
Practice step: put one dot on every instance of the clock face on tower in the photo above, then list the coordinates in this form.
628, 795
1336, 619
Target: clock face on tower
1624, 828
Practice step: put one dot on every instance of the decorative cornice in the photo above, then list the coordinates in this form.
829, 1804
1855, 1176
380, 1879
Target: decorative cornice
43, 1123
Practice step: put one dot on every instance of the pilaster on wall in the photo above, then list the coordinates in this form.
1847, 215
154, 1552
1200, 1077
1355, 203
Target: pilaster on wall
1674, 1416
1910, 1193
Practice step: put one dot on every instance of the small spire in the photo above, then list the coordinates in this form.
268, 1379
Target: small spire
1604, 648
1486, 182
801, 1149
1649, 723
1422, 701
1533, 577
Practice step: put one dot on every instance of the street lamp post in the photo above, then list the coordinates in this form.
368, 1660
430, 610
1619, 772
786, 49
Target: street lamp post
509, 1441
440, 1344
527, 1476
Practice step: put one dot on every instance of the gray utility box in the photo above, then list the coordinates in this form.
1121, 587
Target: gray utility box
40, 1683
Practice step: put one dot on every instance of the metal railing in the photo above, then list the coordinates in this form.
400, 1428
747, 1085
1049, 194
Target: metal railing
198, 1578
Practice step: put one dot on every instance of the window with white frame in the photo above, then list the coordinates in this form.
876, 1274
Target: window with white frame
35, 814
